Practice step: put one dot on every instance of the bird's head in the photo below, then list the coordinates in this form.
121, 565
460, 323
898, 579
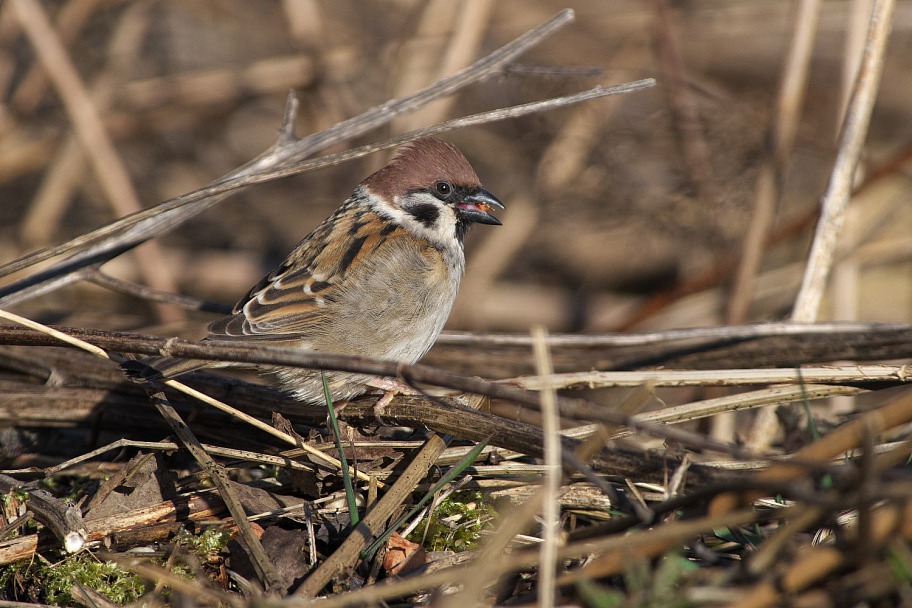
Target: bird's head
431, 189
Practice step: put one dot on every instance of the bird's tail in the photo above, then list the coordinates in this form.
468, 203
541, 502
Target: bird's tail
158, 368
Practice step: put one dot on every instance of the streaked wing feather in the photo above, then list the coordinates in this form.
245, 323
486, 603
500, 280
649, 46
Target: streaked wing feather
292, 299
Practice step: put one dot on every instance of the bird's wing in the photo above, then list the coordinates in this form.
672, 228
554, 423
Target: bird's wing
292, 300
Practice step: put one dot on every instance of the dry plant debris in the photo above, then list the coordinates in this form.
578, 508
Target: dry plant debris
723, 462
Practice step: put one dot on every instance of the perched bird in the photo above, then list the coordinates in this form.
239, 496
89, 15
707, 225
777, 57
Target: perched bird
375, 279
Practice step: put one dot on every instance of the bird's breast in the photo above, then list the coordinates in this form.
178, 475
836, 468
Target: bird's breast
395, 303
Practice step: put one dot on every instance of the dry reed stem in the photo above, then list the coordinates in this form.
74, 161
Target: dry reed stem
854, 131
711, 336
844, 284
781, 135
839, 189
66, 170
283, 460
777, 395
465, 24
728, 377
69, 23
645, 338
547, 569
109, 168
847, 437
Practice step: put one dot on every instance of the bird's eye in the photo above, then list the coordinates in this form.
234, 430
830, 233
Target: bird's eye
443, 188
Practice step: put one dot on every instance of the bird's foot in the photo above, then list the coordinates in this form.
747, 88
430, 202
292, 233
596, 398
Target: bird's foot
390, 388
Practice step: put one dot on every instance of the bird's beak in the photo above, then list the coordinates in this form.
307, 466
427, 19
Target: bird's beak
476, 207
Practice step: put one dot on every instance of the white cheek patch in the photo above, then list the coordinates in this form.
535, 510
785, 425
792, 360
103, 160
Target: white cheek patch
394, 211
441, 232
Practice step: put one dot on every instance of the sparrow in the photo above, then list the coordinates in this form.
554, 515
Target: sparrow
376, 279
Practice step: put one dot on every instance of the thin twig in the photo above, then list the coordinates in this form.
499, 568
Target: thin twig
169, 446
854, 131
467, 21
736, 332
276, 356
126, 233
264, 567
776, 395
350, 549
61, 517
94, 275
69, 339
123, 234
262, 564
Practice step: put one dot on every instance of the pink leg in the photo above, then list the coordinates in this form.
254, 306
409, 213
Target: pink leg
390, 388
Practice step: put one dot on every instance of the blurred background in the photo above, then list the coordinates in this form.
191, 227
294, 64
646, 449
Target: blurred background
623, 213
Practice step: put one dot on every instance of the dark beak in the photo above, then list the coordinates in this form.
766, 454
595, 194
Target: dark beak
475, 208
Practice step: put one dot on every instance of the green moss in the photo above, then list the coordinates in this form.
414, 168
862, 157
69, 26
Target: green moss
13, 578
52, 583
456, 524
107, 578
16, 494
207, 542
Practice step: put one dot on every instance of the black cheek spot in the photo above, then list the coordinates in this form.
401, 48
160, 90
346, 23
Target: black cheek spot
426, 214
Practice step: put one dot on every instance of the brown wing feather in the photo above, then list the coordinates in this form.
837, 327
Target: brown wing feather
303, 289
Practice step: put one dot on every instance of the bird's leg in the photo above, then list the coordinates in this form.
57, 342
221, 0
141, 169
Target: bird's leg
390, 388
